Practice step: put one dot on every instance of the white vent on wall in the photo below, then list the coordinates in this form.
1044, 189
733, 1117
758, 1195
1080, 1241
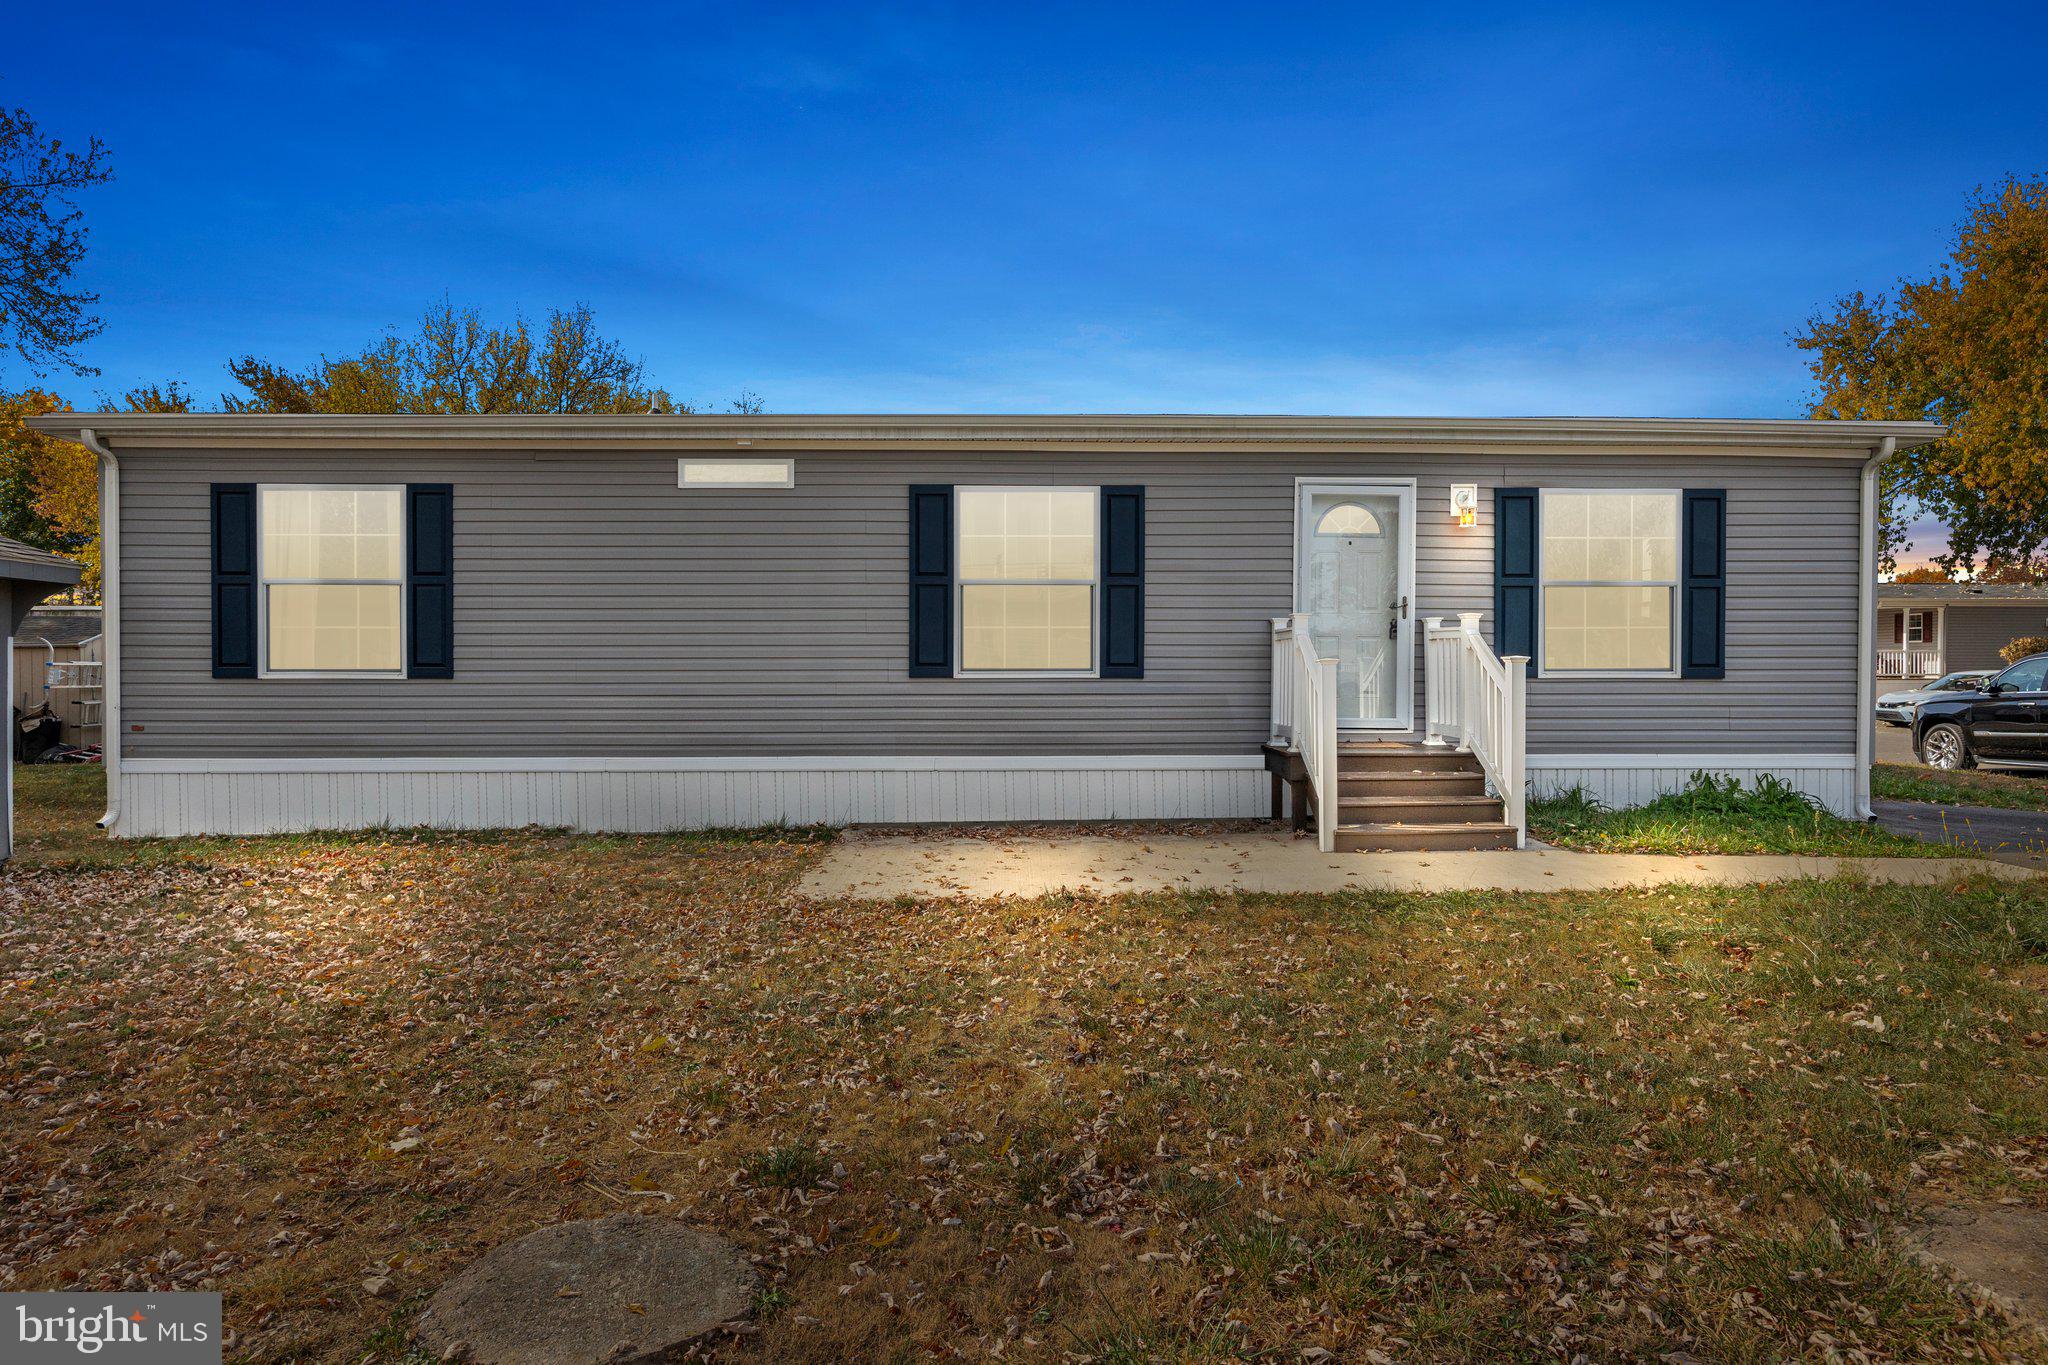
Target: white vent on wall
735, 473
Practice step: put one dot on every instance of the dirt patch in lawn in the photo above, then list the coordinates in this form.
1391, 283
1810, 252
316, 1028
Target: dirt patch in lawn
1996, 1251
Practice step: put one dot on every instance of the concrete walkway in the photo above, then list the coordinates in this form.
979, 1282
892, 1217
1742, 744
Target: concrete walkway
881, 866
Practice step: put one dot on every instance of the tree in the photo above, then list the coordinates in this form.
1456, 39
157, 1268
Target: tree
1969, 347
1922, 573
457, 363
21, 451
43, 316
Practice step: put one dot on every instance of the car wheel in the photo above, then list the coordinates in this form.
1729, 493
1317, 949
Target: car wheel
1944, 747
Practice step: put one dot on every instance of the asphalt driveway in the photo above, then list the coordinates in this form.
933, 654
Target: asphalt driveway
2010, 836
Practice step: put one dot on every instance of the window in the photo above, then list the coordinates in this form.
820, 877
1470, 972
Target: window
1610, 581
332, 568
2028, 675
1027, 571
735, 473
1348, 519
1916, 627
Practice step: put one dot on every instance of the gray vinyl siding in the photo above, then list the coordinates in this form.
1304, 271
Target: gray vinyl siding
1977, 632
601, 611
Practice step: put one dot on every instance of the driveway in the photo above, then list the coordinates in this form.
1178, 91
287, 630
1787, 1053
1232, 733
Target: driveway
2010, 836
1894, 744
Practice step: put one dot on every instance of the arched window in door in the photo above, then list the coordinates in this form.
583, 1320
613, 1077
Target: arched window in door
1348, 519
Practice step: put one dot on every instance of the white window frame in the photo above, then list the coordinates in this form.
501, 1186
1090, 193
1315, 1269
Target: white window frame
263, 582
788, 479
1677, 495
1916, 618
1094, 584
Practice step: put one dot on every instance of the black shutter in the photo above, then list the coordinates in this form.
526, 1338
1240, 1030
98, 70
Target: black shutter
1703, 627
1123, 582
234, 580
1514, 572
430, 580
931, 580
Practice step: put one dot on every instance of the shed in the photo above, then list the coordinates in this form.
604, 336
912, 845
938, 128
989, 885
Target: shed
47, 646
30, 576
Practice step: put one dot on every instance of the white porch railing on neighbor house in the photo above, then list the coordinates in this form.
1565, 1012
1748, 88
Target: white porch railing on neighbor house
1908, 661
1305, 716
1479, 700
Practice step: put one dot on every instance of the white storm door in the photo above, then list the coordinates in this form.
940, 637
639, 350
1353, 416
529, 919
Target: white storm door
1354, 578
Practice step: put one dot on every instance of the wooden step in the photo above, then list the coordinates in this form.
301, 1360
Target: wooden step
1392, 838
1461, 783
1402, 759
1426, 810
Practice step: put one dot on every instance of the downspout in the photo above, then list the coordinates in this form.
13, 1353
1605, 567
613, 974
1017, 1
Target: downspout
1866, 628
110, 623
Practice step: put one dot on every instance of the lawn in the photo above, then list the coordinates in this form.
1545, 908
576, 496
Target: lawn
1717, 816
1972, 787
1673, 1125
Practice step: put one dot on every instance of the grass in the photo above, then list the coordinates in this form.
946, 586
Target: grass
1673, 1124
1716, 815
1972, 787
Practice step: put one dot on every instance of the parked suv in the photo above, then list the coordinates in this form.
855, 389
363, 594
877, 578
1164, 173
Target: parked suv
2005, 723
1896, 708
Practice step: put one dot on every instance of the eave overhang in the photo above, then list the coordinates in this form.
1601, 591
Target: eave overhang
129, 432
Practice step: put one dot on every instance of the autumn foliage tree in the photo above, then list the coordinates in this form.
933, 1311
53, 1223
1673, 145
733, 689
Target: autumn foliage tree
457, 363
1968, 347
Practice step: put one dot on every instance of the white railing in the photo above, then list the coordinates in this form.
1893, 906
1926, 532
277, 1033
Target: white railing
1479, 701
1305, 716
1910, 661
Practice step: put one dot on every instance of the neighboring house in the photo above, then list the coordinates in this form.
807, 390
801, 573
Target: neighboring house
67, 636
27, 577
1927, 629
638, 623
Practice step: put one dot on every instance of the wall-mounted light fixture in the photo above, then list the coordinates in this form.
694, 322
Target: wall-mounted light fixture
1465, 503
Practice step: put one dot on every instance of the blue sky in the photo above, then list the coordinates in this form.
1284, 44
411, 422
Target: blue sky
1518, 209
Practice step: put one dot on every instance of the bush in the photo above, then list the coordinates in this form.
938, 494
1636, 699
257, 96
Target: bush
2022, 647
1721, 797
1711, 815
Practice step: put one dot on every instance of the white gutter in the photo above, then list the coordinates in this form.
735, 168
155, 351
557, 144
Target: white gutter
110, 623
1866, 628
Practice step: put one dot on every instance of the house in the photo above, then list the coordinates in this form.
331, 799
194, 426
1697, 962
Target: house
56, 664
654, 622
1927, 629
27, 576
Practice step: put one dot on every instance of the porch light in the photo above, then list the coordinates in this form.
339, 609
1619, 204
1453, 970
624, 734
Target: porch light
1465, 503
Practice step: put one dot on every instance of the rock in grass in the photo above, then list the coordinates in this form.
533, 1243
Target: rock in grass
619, 1289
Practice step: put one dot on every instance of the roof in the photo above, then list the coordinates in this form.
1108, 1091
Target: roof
1963, 594
128, 432
26, 561
59, 626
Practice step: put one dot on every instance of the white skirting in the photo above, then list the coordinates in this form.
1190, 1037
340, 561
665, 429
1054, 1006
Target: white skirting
1622, 780
277, 796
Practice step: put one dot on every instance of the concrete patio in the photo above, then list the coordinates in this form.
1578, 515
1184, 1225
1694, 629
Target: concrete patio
879, 865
